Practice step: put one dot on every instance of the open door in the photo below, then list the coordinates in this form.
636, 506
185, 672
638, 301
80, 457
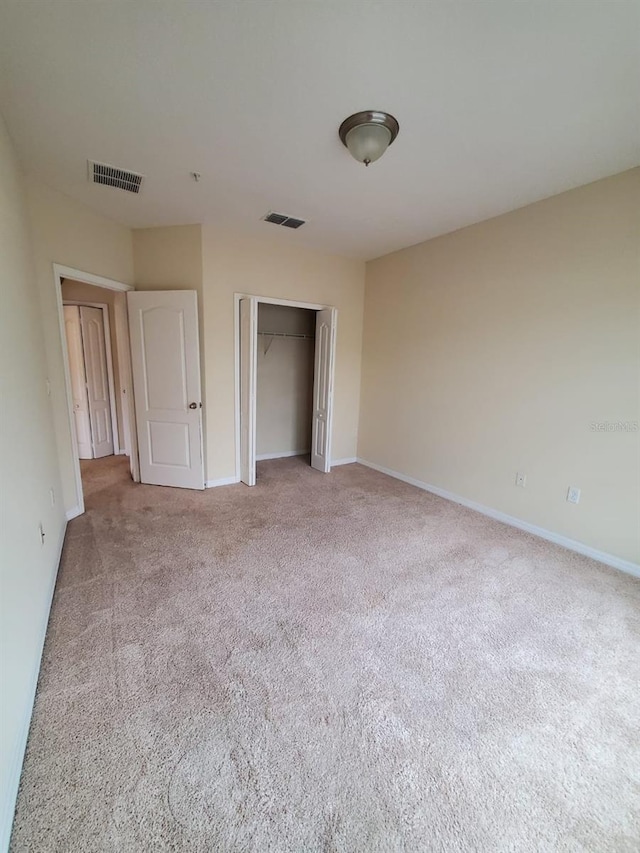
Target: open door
323, 390
248, 384
165, 360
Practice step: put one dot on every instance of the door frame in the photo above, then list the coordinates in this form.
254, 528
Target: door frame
270, 300
117, 449
61, 272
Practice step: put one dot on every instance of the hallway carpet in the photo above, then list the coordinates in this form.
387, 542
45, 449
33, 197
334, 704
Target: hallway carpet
328, 663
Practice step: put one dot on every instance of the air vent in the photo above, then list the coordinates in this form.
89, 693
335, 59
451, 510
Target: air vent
282, 219
110, 176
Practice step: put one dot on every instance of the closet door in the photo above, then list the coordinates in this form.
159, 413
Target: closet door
248, 385
323, 389
78, 381
95, 360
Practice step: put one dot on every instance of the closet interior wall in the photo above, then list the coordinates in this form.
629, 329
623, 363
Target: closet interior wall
286, 345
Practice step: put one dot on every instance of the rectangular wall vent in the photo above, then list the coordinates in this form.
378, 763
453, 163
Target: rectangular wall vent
282, 219
110, 176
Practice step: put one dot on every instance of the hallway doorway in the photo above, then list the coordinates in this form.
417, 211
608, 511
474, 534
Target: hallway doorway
99, 387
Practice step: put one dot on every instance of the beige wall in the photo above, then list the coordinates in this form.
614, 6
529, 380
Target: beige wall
284, 380
29, 470
494, 349
67, 233
78, 291
168, 258
232, 264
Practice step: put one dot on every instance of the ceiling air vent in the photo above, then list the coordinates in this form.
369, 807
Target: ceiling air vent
110, 176
281, 219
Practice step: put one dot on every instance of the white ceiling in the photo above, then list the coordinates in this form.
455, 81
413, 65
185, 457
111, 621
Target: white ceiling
500, 103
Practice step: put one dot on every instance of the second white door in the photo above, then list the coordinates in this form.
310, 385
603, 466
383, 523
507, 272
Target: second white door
89, 381
78, 376
95, 360
323, 389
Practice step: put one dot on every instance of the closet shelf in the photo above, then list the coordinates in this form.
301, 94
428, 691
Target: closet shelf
287, 335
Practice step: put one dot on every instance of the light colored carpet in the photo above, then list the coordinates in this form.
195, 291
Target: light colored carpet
328, 663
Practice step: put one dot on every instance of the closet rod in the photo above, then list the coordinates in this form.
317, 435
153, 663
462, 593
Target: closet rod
286, 335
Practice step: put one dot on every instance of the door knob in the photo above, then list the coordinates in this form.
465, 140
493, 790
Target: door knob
193, 405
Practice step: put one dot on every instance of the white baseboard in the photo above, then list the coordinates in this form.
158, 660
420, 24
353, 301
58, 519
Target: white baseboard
223, 481
11, 791
282, 454
348, 460
571, 544
73, 513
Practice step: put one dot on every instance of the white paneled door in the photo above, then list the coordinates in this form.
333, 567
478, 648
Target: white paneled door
323, 389
78, 381
248, 385
95, 360
165, 356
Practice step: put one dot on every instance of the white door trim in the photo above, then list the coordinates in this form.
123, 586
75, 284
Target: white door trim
248, 389
291, 303
89, 278
121, 320
107, 345
61, 272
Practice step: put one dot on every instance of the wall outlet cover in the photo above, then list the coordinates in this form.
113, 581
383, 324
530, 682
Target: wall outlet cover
521, 480
573, 495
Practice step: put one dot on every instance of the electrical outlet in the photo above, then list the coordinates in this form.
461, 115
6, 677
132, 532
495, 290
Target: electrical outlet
48, 387
42, 533
573, 495
521, 480
52, 496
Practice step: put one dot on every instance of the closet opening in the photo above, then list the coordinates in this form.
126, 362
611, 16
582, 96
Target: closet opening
285, 361
285, 356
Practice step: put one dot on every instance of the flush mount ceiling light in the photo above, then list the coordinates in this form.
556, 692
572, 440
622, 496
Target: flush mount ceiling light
368, 134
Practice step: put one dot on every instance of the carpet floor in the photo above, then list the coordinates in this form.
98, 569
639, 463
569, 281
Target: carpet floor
328, 663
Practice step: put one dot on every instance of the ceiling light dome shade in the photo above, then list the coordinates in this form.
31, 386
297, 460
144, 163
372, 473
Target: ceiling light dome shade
368, 142
368, 134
